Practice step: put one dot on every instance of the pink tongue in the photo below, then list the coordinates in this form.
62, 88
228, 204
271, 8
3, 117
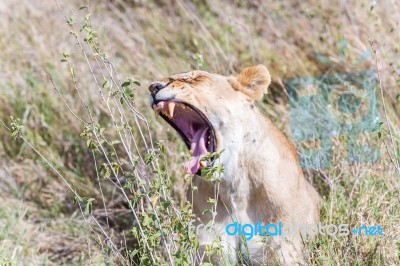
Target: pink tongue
198, 147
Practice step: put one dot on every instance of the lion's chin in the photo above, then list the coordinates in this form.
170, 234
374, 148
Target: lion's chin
194, 128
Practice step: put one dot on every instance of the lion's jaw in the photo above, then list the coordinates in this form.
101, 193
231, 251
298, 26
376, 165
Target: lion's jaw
193, 126
208, 112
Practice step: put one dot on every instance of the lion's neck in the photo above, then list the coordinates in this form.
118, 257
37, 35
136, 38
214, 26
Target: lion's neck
248, 146
254, 165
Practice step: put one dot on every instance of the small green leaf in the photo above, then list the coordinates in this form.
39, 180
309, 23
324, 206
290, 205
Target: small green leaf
125, 84
116, 167
70, 21
107, 170
148, 158
211, 201
166, 204
106, 84
135, 232
147, 221
377, 126
90, 144
133, 252
89, 205
134, 81
160, 146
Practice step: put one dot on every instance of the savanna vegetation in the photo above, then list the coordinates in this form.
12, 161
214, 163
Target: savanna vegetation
90, 176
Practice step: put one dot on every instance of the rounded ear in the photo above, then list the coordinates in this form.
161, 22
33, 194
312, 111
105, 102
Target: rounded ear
252, 81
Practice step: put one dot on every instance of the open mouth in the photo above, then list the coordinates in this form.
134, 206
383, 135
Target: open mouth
194, 128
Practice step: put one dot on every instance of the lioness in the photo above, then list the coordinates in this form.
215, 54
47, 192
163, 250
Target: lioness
262, 179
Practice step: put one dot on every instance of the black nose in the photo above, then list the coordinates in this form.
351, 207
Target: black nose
155, 87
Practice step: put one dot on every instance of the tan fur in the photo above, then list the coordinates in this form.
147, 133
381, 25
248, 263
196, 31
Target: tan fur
262, 181
252, 81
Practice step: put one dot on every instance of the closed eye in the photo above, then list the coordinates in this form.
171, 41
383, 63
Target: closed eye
197, 79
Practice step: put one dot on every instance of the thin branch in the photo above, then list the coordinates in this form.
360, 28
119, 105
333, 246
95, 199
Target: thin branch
393, 146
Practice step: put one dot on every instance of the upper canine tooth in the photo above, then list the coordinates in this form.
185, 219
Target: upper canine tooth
171, 107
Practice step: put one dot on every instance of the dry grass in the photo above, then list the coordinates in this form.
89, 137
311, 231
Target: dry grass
40, 224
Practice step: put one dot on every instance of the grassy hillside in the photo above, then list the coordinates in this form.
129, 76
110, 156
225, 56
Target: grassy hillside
83, 159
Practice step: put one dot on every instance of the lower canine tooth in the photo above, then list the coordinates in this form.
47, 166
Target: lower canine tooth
203, 163
171, 107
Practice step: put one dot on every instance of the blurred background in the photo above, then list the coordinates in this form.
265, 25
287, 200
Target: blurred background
63, 61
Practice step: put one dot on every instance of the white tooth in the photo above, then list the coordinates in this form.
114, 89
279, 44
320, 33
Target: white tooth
171, 107
203, 163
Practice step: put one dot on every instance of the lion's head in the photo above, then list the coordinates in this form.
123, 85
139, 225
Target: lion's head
208, 110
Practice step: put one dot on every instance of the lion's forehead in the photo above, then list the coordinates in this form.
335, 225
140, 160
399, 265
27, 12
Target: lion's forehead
190, 74
195, 77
